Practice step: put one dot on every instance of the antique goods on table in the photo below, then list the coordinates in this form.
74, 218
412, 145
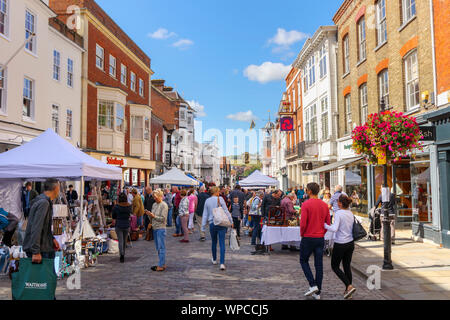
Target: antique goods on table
277, 217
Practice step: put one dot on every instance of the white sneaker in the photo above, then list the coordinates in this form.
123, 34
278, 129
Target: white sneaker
222, 267
214, 262
316, 296
311, 291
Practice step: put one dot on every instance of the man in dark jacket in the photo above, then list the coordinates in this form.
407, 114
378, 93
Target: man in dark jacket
28, 195
39, 242
271, 200
72, 195
202, 197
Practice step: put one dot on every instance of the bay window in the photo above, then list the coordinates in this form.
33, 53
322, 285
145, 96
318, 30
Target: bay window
412, 80
120, 118
324, 118
323, 61
137, 129
146, 128
311, 124
106, 114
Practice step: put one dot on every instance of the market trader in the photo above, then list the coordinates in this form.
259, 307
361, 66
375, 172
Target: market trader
39, 242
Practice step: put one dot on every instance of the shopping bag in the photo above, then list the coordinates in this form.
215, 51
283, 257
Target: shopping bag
234, 242
4, 260
34, 281
358, 231
220, 218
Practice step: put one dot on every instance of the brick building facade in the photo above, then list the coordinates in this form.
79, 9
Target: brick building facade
116, 108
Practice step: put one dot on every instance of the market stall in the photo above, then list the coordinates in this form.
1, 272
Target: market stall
285, 235
257, 180
50, 156
174, 177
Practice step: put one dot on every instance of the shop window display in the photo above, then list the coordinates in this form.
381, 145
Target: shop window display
356, 188
421, 191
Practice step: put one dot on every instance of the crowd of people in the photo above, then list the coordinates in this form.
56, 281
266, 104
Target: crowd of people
191, 210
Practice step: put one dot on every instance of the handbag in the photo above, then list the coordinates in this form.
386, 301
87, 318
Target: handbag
34, 281
149, 233
358, 230
220, 218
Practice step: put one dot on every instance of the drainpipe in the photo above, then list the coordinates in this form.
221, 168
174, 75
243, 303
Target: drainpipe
433, 50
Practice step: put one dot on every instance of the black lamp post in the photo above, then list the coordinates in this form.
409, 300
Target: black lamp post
387, 263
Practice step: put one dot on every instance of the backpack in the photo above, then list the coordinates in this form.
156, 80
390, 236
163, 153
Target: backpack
4, 222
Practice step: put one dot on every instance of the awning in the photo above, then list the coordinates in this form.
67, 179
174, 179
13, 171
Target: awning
336, 165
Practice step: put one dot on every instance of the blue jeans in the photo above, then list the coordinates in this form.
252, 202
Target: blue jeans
139, 221
218, 232
178, 225
169, 217
256, 233
246, 220
160, 242
314, 246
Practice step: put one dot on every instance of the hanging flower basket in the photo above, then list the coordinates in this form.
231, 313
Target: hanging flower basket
388, 134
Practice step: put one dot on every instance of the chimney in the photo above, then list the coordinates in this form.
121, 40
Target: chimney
168, 89
159, 83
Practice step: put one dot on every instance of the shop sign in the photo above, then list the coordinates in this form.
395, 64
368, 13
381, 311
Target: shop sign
114, 161
381, 155
429, 133
287, 124
307, 166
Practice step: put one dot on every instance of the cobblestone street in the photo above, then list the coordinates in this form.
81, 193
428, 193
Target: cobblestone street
190, 275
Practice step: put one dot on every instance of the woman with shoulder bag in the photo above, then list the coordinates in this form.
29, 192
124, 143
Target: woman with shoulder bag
121, 214
217, 232
344, 244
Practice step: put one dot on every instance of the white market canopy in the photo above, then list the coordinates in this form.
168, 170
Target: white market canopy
174, 176
257, 179
50, 156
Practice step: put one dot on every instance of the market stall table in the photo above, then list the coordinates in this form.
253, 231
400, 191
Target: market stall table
272, 235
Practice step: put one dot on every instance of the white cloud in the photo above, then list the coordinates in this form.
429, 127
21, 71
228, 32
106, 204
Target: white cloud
243, 116
267, 72
286, 38
162, 33
199, 109
183, 43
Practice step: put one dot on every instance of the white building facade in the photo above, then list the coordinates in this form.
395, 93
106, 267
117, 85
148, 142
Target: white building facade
40, 77
317, 62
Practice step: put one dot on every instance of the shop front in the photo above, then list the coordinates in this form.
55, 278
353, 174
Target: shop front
135, 171
439, 230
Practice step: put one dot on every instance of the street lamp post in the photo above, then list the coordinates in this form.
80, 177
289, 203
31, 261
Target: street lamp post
387, 263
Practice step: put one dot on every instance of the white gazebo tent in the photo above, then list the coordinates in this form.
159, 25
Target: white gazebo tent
174, 176
258, 180
50, 156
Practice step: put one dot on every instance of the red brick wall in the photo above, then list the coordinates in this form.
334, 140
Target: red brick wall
157, 128
442, 44
164, 108
92, 113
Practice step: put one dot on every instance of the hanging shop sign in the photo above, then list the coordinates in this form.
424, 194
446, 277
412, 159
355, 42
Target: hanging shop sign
308, 166
287, 124
114, 161
428, 132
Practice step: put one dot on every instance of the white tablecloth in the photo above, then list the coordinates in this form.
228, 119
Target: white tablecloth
272, 235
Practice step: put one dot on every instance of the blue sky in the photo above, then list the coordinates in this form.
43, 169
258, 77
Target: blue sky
227, 56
